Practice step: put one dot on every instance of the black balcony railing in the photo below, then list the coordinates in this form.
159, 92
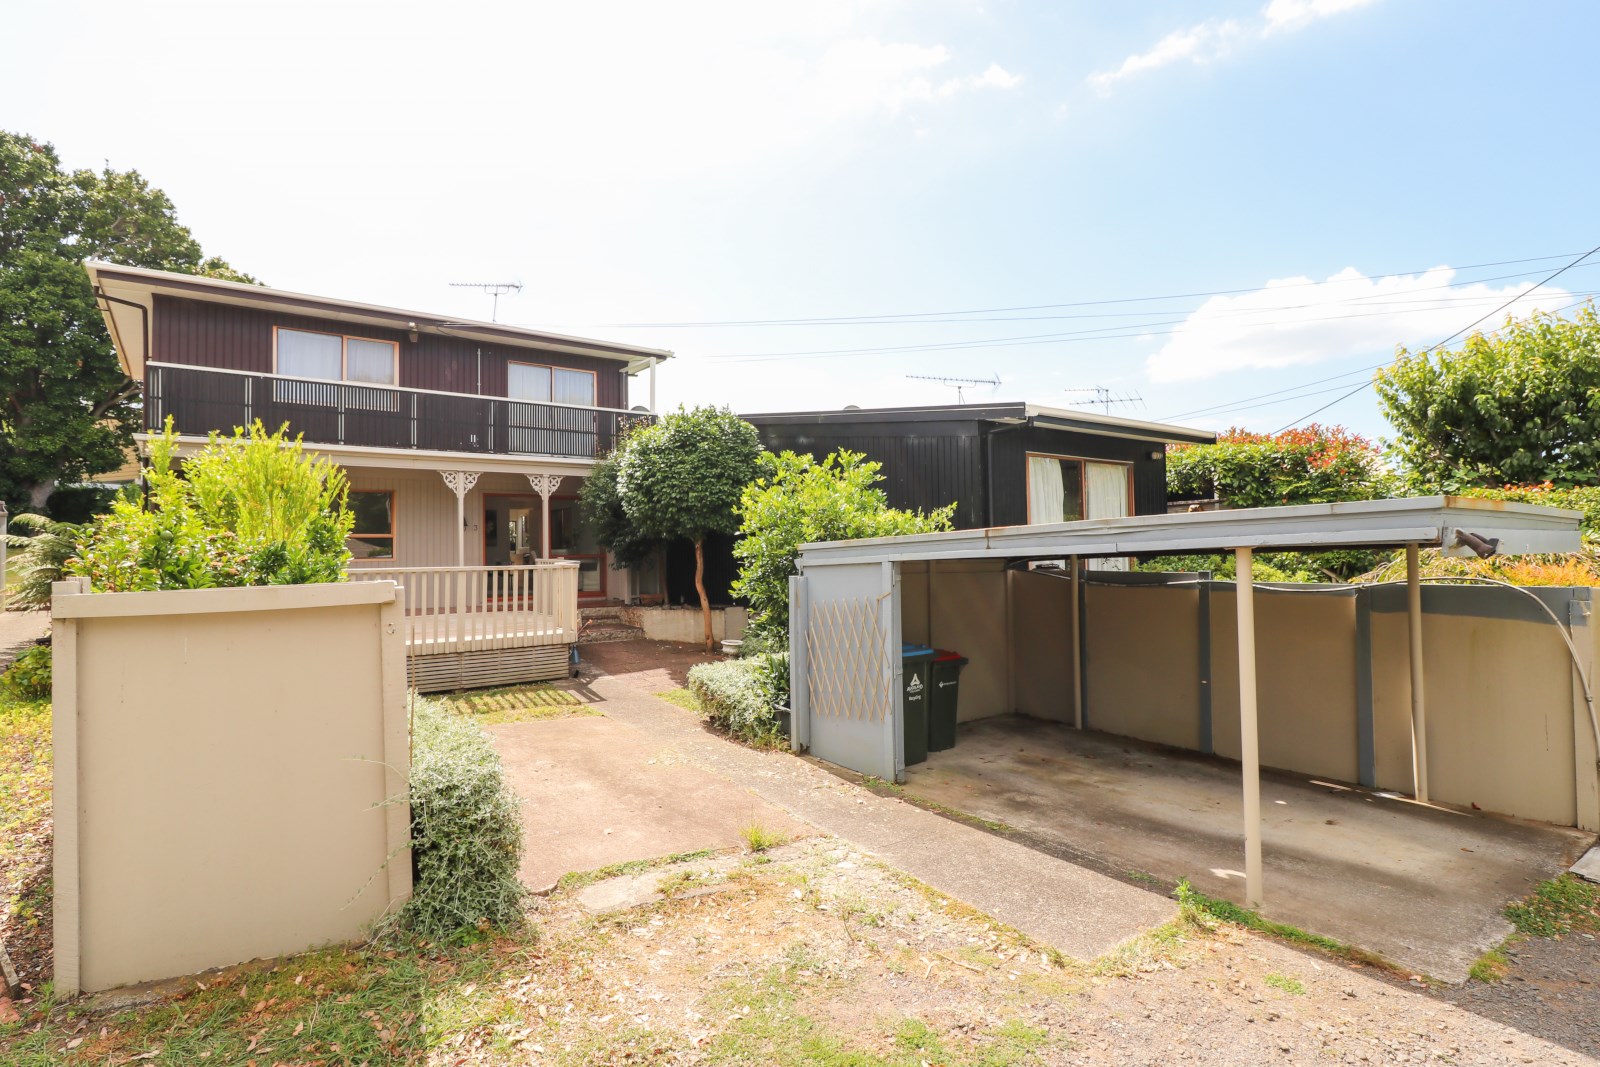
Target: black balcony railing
202, 399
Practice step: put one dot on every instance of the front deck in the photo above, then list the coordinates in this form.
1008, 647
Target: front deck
481, 626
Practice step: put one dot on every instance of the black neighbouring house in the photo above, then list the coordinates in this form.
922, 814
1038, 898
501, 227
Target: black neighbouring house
1005, 464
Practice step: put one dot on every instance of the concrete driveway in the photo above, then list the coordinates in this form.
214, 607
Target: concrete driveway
1421, 886
596, 792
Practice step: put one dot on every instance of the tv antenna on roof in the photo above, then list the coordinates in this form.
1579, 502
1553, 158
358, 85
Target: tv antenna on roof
494, 289
1106, 397
960, 385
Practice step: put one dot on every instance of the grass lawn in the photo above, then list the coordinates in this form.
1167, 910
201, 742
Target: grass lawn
25, 839
517, 703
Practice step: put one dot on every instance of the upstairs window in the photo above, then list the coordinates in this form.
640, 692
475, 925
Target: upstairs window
532, 381
334, 357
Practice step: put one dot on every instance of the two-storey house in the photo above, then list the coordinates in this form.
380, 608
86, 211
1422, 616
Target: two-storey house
465, 442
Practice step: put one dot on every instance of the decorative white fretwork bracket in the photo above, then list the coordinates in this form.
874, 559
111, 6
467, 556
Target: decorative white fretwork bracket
545, 484
459, 482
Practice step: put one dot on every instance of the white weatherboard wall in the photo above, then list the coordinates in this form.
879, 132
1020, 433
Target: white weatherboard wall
230, 775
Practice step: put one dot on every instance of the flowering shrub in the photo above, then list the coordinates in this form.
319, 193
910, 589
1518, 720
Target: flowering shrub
1307, 465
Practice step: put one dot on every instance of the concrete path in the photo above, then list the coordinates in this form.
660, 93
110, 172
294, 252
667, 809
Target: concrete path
1080, 912
596, 792
19, 630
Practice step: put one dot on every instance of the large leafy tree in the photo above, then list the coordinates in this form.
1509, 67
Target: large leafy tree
67, 411
1516, 407
798, 500
681, 478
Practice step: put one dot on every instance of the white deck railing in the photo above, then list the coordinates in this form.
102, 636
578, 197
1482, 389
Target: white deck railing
469, 609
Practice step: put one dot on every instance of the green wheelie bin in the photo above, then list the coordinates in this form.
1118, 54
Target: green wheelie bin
943, 705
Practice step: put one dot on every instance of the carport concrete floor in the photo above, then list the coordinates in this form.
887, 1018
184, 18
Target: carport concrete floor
1420, 886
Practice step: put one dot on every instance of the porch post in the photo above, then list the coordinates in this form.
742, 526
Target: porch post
544, 485
1419, 710
653, 362
1249, 744
460, 483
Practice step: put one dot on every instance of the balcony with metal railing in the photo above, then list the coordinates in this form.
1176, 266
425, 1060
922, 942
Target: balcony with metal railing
202, 399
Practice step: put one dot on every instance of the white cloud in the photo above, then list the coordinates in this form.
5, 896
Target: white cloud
1211, 40
1297, 321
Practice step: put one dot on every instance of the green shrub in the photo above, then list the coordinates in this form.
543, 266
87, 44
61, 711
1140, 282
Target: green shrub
251, 509
797, 500
28, 678
466, 830
40, 557
736, 697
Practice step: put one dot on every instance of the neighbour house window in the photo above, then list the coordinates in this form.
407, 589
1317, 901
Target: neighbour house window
373, 534
334, 357
531, 381
1063, 489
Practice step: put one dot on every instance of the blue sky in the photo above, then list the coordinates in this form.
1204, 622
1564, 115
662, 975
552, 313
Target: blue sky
729, 161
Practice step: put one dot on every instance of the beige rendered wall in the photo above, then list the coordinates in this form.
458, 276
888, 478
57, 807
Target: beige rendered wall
1500, 712
965, 609
225, 765
1142, 662
1042, 645
1305, 680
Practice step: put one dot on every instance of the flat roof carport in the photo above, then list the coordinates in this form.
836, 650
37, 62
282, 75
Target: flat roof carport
1455, 525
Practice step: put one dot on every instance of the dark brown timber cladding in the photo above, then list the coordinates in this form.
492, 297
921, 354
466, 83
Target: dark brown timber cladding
203, 333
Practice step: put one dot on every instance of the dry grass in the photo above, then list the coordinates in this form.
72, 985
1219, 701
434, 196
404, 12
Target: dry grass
25, 835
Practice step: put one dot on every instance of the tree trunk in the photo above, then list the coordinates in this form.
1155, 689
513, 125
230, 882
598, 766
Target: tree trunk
700, 587
39, 495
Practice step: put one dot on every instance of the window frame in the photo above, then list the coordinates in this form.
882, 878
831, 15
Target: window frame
1083, 479
344, 357
390, 536
552, 368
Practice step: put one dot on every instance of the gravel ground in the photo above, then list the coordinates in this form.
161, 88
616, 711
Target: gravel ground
866, 951
1551, 991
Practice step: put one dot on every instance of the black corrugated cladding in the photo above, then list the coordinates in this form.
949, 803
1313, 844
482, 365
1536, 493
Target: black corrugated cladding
926, 465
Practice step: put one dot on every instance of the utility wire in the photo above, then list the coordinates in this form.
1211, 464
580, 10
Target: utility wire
1433, 348
893, 318
1124, 330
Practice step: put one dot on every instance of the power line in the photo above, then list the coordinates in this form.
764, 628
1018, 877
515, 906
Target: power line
1124, 330
1433, 348
889, 317
1244, 403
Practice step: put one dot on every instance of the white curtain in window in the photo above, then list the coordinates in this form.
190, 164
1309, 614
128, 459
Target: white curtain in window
302, 354
574, 387
369, 361
524, 381
1107, 491
1046, 495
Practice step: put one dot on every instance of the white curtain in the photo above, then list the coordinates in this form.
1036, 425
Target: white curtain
369, 361
1107, 491
525, 381
1046, 496
574, 387
302, 354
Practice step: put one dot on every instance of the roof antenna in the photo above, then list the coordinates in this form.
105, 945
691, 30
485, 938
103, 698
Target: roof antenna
494, 289
960, 385
1105, 397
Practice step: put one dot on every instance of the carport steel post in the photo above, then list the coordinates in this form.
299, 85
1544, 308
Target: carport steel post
1249, 747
